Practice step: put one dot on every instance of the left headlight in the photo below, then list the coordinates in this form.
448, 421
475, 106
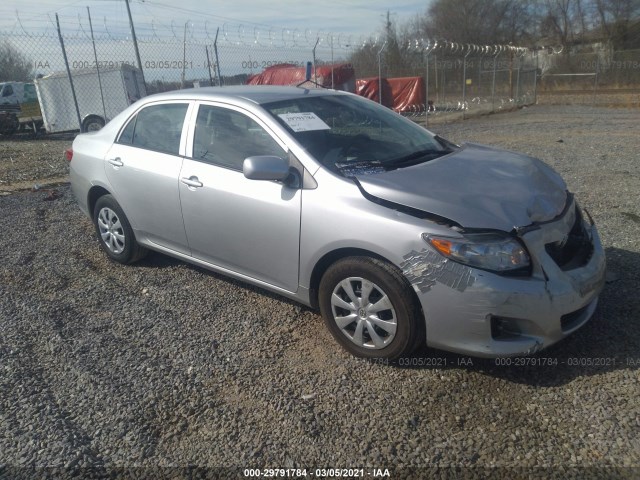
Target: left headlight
488, 251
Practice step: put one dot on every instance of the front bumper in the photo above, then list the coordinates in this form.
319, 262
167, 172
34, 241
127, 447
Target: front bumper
482, 314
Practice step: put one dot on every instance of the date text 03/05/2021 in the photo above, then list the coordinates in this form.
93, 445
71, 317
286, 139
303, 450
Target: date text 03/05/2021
317, 472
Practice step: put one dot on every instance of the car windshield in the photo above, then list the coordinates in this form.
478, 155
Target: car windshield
353, 136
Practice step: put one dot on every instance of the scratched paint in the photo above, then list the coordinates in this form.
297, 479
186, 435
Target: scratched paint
423, 269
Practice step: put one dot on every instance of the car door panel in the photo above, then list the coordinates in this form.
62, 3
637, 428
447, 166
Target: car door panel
146, 187
143, 169
248, 226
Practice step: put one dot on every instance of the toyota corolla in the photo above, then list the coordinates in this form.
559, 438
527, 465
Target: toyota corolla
397, 235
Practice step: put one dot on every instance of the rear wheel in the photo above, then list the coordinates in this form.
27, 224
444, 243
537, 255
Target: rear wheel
369, 308
115, 233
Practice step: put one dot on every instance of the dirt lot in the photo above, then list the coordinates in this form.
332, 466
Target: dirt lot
147, 370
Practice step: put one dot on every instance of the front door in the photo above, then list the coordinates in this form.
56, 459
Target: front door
251, 227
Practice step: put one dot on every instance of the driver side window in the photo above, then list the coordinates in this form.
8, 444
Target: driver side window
225, 137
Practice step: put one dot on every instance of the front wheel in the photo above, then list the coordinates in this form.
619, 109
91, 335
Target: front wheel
369, 308
114, 232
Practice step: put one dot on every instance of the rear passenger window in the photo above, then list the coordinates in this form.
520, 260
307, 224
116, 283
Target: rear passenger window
157, 127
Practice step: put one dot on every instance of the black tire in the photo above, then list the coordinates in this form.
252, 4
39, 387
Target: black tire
114, 232
92, 123
382, 279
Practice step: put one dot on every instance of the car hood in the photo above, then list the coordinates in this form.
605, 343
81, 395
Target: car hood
476, 187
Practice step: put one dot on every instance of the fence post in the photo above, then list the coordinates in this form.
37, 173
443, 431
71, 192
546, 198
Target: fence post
206, 49
464, 84
184, 55
95, 55
595, 80
66, 64
518, 81
380, 72
135, 44
535, 81
332, 64
215, 50
426, 114
493, 83
315, 69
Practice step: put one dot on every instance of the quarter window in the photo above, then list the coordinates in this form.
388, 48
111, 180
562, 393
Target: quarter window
226, 137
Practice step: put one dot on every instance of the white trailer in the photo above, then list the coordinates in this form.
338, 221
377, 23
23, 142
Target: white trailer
121, 86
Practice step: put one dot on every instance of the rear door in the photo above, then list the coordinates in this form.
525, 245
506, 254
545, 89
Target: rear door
143, 167
251, 227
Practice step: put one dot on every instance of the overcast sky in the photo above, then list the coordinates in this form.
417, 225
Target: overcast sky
355, 17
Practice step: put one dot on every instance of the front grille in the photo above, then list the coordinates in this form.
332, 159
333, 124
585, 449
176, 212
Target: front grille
575, 251
573, 319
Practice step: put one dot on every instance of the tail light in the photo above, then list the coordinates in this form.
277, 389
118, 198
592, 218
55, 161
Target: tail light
68, 154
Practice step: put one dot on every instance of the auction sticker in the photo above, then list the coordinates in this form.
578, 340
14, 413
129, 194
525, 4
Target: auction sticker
304, 121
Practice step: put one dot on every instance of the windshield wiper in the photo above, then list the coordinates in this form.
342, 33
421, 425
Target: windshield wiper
414, 158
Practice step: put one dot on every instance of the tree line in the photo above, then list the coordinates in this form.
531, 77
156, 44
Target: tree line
529, 22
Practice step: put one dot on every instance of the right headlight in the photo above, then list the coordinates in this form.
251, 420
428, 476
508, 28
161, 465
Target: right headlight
488, 251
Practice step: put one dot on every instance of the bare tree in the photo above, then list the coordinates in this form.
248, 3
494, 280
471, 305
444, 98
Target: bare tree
14, 66
479, 21
615, 19
563, 20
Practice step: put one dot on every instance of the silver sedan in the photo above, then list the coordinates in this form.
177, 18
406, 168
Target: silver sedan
396, 235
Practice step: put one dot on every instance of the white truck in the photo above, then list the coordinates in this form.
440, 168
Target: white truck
100, 98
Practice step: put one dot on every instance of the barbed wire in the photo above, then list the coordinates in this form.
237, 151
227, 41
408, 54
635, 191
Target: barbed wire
240, 34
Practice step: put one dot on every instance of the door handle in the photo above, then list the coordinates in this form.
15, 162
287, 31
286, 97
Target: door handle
191, 181
116, 162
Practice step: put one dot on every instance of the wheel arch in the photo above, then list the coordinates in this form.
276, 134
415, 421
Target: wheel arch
94, 194
332, 257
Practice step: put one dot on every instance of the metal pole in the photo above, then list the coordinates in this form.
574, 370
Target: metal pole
332, 84
66, 64
206, 49
443, 83
135, 44
380, 72
535, 81
464, 85
426, 115
215, 50
595, 79
493, 83
518, 81
315, 74
95, 55
184, 55
435, 68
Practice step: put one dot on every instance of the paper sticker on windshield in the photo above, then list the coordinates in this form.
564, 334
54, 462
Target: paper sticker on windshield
304, 121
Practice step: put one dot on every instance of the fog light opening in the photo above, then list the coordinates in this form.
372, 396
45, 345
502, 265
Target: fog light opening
504, 328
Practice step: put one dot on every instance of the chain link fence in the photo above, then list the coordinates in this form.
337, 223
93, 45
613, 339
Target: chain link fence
83, 76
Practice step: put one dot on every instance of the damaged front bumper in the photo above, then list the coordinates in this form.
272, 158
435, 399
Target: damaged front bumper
479, 313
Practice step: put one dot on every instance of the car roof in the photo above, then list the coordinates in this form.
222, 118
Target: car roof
259, 94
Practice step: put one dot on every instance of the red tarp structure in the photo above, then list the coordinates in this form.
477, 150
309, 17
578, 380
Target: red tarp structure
370, 88
288, 74
408, 94
404, 95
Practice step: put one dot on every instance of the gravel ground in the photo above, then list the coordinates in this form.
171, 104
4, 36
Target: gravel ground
25, 160
146, 370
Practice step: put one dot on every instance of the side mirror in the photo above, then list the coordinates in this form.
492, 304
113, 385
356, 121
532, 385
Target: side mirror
265, 167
